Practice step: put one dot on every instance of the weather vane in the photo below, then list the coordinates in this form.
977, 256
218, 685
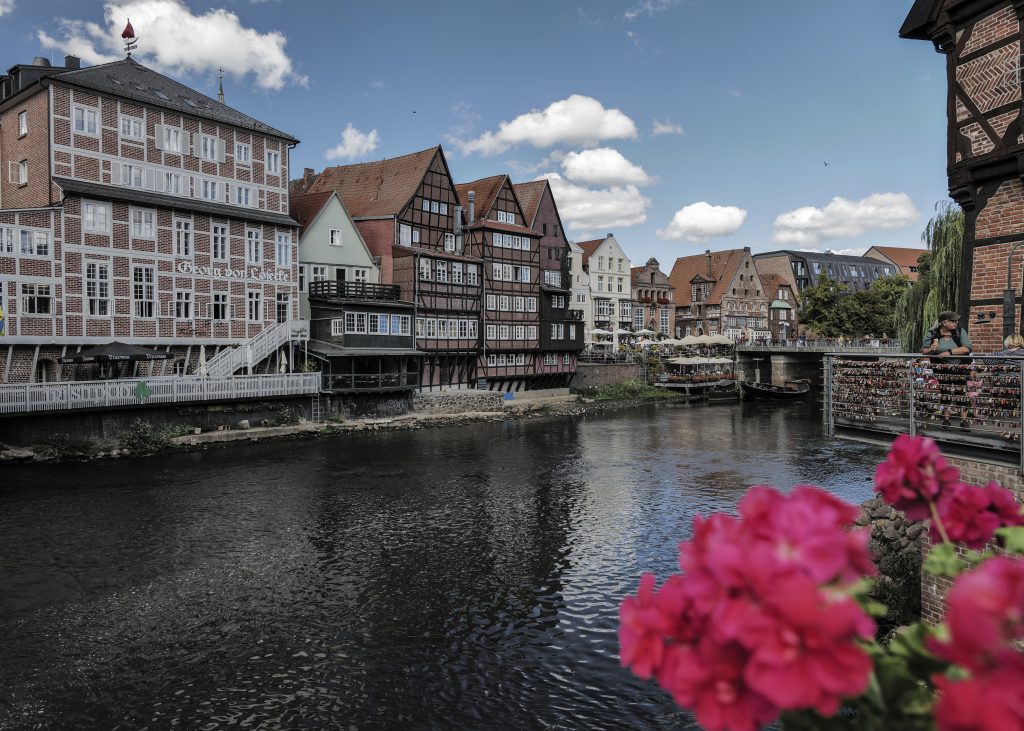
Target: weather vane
130, 41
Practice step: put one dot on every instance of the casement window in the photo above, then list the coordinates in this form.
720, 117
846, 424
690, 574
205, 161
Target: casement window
405, 234
334, 237
219, 307
600, 262
132, 128
572, 332
519, 332
6, 240
425, 205
638, 317
442, 329
600, 283
435, 206
253, 246
169, 139
182, 237
254, 305
273, 162
620, 265
144, 291
492, 332
282, 306
521, 274
431, 327
425, 269
208, 148
442, 271
97, 289
620, 284
36, 299
531, 304
415, 235
420, 327
449, 242
519, 304
243, 153
95, 217
443, 209
355, 323
302, 277
492, 302
472, 274
503, 359
360, 275
504, 303
456, 272
21, 173
172, 183
132, 175
492, 360
244, 195
507, 273
504, 332
566, 359
319, 273
284, 250
85, 120
338, 326
472, 328
403, 322
34, 243
22, 123
219, 241
496, 271
550, 359
182, 305
463, 329
209, 190
581, 298
664, 321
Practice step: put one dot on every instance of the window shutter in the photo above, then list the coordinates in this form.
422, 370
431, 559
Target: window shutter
11, 167
193, 144
220, 151
150, 180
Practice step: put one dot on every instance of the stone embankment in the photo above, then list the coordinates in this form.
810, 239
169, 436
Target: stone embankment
897, 544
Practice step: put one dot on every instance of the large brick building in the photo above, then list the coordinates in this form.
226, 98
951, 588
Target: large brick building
981, 40
134, 208
720, 293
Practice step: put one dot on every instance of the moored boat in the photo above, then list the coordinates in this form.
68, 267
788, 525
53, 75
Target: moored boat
791, 390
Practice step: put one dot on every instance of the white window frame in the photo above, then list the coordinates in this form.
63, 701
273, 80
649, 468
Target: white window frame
36, 294
426, 270
253, 246
244, 196
140, 228
334, 237
171, 139
404, 234
97, 289
208, 148
143, 291
243, 153
449, 242
253, 305
172, 183
96, 217
182, 304
209, 190
492, 302
492, 332
183, 237
89, 117
360, 275
22, 123
132, 128
220, 306
219, 241
442, 271
23, 172
284, 249
472, 274
272, 160
318, 273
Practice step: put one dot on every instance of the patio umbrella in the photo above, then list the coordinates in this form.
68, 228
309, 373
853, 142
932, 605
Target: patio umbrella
620, 331
645, 331
201, 370
284, 363
720, 340
692, 340
599, 331
114, 352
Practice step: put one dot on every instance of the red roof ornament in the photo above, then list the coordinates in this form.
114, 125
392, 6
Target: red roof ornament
129, 32
128, 36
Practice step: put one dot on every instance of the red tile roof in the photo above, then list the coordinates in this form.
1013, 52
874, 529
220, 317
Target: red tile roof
485, 190
902, 256
381, 188
589, 247
723, 269
304, 208
529, 195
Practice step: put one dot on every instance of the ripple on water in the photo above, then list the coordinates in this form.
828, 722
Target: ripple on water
464, 577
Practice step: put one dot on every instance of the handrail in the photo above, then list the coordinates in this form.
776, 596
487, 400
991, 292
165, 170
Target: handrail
231, 360
25, 398
327, 289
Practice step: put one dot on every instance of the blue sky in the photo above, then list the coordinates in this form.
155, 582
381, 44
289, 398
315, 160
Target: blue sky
678, 125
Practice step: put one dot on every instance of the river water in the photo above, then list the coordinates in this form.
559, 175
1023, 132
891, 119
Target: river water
465, 577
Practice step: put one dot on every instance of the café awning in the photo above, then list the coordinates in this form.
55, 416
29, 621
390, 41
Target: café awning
114, 352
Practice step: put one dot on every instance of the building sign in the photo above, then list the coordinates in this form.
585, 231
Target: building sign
248, 273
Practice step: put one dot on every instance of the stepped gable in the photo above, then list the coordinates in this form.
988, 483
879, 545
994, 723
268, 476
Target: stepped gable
529, 195
131, 80
723, 268
381, 188
304, 208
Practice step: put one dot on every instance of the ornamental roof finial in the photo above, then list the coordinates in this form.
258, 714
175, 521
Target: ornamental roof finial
130, 41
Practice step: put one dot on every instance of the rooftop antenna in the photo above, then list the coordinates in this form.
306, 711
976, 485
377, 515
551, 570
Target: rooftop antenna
220, 85
128, 36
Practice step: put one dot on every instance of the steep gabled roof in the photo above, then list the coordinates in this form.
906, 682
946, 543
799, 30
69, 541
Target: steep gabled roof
901, 256
530, 195
723, 268
588, 248
381, 188
304, 208
485, 192
130, 79
921, 15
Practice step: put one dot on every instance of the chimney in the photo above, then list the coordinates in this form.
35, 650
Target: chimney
307, 176
746, 249
608, 236
72, 62
457, 220
472, 205
707, 253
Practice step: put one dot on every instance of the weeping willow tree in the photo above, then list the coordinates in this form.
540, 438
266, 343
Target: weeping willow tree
938, 284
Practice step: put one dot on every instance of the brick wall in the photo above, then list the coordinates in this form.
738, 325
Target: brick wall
32, 147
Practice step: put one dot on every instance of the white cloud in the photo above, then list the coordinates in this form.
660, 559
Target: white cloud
843, 218
665, 128
702, 221
603, 166
6, 6
843, 252
587, 211
577, 120
172, 38
649, 8
354, 143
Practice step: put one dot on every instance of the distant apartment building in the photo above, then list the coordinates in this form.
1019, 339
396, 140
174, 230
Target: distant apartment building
720, 293
803, 269
139, 210
783, 321
653, 299
608, 267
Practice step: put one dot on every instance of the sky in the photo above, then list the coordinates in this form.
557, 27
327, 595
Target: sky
676, 125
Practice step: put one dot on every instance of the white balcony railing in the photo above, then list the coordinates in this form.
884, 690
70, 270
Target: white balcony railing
24, 398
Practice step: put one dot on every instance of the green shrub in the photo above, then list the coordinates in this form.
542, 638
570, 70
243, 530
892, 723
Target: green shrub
144, 438
66, 446
632, 389
287, 416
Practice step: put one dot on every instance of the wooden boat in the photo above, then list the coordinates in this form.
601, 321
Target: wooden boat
791, 390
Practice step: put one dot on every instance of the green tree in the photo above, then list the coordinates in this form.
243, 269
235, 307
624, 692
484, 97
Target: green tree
821, 307
873, 310
938, 284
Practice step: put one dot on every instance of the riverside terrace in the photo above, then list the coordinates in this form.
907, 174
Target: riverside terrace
971, 406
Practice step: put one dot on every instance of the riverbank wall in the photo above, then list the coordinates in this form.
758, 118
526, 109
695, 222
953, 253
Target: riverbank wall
592, 376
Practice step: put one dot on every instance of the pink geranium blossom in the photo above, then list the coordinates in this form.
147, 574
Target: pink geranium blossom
971, 515
914, 475
992, 701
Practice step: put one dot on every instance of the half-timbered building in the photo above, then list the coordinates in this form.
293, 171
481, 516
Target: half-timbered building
561, 323
136, 209
719, 293
653, 299
982, 43
497, 234
407, 211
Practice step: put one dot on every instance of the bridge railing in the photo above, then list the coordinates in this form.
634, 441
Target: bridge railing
824, 346
970, 404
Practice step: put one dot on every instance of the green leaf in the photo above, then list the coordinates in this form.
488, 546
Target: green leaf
943, 561
875, 609
1012, 539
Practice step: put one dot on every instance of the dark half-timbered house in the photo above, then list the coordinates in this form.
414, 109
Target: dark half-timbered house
407, 211
982, 42
497, 234
561, 325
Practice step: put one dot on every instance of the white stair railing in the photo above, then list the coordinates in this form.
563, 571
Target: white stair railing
233, 359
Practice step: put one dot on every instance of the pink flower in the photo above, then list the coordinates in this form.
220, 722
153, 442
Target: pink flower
914, 474
985, 616
650, 618
964, 513
1003, 503
708, 679
991, 701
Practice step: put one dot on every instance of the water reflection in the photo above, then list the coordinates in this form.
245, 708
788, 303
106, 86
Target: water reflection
436, 579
